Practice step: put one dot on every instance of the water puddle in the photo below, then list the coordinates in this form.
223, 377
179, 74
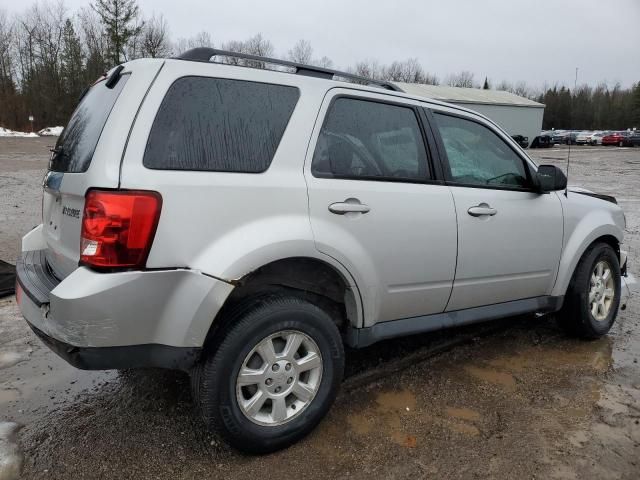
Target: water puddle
595, 356
8, 396
461, 420
400, 401
9, 358
465, 429
387, 417
10, 455
493, 376
463, 414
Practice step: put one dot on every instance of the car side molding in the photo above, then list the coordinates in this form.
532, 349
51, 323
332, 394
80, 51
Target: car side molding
363, 337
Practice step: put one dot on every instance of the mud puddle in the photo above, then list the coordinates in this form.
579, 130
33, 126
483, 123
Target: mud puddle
33, 380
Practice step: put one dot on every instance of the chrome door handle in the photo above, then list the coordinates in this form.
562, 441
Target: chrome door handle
482, 209
348, 206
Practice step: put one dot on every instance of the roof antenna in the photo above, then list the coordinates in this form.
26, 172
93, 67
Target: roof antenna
575, 86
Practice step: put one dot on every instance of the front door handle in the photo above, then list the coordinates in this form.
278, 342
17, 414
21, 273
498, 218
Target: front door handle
350, 205
482, 209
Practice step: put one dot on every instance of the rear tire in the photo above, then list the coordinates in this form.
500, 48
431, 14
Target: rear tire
593, 297
254, 362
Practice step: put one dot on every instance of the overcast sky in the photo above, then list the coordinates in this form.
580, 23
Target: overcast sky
536, 41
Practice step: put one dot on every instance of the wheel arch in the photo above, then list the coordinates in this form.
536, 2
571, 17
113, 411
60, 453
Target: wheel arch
315, 279
575, 249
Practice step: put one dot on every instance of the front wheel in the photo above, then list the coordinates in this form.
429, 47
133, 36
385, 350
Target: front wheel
273, 376
593, 297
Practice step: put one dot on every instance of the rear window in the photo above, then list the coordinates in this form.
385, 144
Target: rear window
219, 125
75, 147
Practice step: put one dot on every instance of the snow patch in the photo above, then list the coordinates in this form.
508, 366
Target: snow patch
5, 132
51, 132
10, 455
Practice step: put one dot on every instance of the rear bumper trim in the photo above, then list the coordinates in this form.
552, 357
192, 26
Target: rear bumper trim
123, 357
34, 276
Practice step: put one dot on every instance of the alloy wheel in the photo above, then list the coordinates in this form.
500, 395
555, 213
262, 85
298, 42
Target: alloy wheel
601, 290
279, 378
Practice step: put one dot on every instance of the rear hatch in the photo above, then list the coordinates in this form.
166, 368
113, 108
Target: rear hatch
87, 155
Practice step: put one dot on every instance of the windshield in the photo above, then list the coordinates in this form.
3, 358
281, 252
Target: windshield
78, 140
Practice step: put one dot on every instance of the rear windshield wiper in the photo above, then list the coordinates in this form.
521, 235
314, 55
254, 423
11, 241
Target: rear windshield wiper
114, 77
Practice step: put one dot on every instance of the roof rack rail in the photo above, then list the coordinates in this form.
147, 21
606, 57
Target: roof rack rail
204, 54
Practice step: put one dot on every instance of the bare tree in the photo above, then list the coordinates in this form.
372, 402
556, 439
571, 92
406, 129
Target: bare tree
368, 69
408, 71
38, 41
256, 45
462, 79
522, 89
95, 44
8, 86
301, 52
200, 39
155, 38
325, 62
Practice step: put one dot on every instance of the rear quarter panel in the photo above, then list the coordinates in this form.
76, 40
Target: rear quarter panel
229, 224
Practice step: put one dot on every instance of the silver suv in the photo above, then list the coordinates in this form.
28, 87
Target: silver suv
244, 224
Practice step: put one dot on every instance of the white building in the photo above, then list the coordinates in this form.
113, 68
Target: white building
517, 115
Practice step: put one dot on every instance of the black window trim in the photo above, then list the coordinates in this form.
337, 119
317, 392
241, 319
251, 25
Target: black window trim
436, 173
444, 159
231, 172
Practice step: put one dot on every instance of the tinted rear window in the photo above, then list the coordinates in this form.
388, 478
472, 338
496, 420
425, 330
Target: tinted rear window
75, 147
219, 125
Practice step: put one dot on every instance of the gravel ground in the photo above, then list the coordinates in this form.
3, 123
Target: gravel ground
510, 399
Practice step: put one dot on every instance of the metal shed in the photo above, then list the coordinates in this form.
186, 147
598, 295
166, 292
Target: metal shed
515, 114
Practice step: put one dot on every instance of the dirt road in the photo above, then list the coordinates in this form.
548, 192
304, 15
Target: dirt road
512, 399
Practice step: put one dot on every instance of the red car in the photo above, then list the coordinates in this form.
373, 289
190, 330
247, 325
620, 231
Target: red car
616, 138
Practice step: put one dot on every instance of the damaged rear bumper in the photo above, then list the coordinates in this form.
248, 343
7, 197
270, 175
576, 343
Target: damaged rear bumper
119, 320
123, 357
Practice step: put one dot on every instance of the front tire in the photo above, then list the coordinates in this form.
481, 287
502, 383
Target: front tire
593, 297
272, 376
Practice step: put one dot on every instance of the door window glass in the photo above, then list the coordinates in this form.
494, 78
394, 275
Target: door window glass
477, 156
370, 140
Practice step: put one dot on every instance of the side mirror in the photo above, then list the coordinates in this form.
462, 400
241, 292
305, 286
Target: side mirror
551, 178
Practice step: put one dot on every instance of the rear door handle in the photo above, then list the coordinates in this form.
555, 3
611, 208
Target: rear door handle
348, 206
482, 209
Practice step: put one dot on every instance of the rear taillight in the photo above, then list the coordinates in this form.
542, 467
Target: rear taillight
118, 227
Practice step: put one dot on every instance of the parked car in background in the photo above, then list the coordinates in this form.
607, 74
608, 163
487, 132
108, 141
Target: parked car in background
559, 137
521, 140
596, 138
571, 138
632, 140
584, 138
542, 141
615, 138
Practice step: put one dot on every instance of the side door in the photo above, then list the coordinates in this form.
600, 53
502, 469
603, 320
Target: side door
377, 206
509, 236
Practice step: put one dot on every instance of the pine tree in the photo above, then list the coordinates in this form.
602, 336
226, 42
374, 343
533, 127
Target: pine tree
486, 84
635, 105
118, 18
72, 65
